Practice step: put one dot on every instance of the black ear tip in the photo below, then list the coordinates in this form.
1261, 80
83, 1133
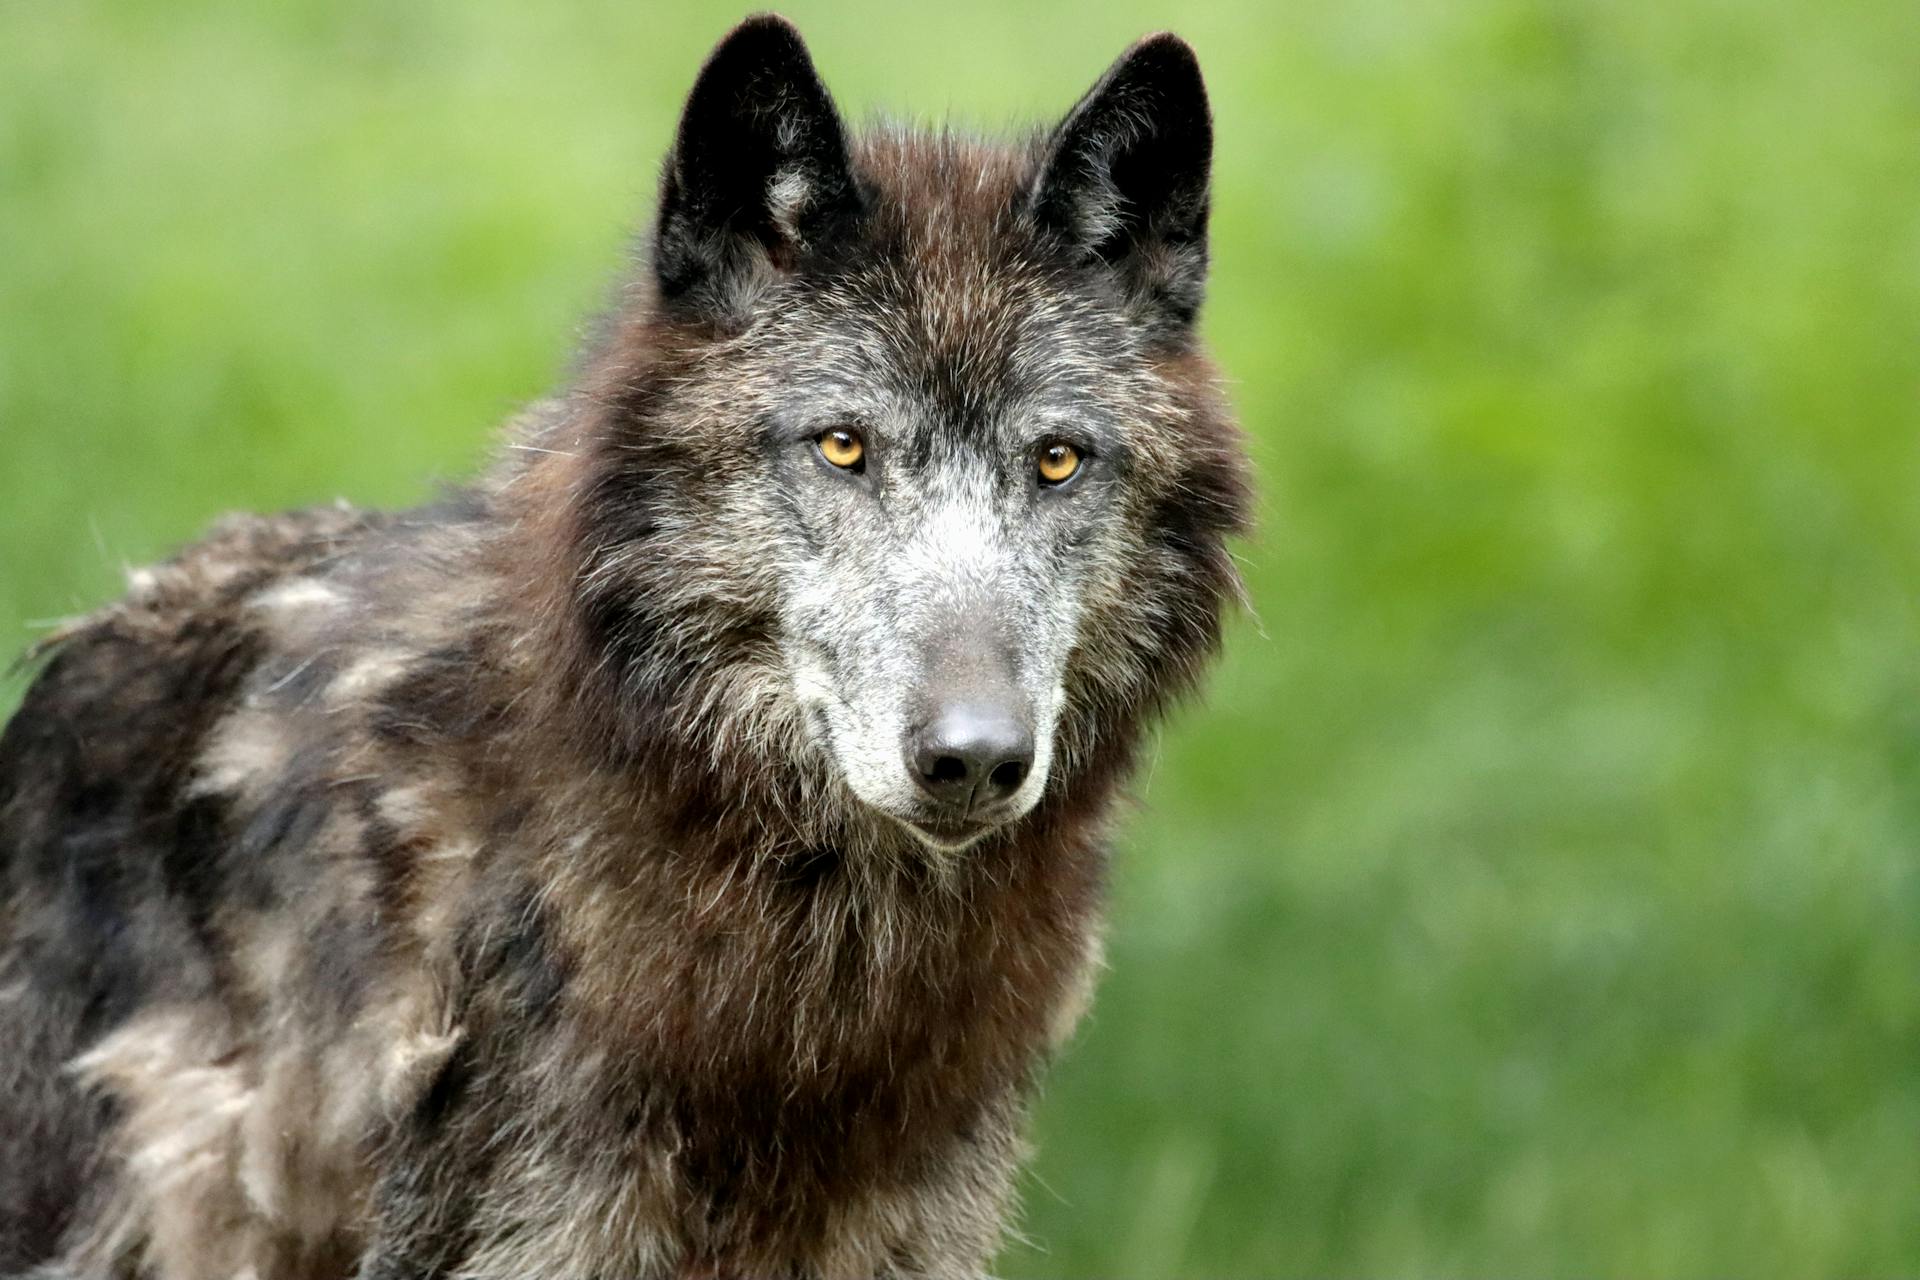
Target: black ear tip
762, 37
1167, 47
1166, 59
750, 68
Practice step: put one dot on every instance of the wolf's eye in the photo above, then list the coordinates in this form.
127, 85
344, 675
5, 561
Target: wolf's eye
1058, 463
841, 447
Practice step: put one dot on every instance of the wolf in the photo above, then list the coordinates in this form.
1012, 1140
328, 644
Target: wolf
678, 852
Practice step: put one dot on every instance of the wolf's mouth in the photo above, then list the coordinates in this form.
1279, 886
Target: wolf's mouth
947, 835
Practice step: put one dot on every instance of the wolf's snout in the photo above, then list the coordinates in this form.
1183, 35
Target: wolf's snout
971, 755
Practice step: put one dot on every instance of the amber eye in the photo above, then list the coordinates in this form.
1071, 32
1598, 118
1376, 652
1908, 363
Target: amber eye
1058, 463
843, 448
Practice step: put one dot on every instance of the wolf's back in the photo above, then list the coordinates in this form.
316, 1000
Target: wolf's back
108, 857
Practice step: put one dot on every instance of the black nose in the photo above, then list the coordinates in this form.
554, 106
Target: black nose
971, 755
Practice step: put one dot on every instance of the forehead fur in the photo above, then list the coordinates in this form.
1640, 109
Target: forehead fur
943, 196
971, 305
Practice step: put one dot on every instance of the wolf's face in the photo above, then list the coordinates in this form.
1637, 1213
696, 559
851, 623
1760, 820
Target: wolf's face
942, 552
938, 424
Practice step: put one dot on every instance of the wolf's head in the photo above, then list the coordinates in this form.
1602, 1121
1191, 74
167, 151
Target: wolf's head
907, 475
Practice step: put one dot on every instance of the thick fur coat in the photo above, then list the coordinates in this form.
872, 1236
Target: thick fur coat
533, 884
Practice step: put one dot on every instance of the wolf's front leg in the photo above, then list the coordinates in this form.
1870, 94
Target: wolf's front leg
432, 1173
420, 1218
515, 1186
950, 1226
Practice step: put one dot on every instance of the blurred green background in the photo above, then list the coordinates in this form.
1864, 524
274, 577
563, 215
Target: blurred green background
1536, 892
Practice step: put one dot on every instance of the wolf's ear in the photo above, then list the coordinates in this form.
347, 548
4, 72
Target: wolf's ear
1124, 176
758, 174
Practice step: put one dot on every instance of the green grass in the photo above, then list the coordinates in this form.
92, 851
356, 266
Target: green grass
1537, 891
